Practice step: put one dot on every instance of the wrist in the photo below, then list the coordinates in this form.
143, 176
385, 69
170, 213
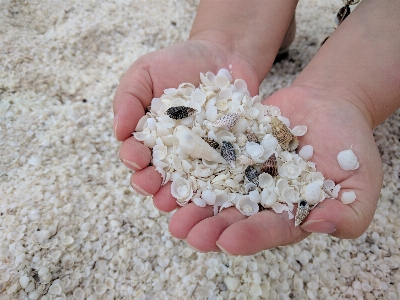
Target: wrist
250, 30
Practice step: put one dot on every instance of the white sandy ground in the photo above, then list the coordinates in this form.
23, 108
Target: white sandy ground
66, 205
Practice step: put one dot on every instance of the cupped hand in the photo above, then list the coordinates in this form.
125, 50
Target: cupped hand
334, 125
146, 79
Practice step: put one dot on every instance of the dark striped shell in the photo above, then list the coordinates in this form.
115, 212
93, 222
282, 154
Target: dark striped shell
211, 142
252, 175
228, 153
180, 112
270, 166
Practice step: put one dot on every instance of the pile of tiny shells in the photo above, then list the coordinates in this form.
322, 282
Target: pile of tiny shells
219, 146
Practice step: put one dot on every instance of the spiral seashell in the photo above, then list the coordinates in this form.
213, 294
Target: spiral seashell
251, 137
227, 121
303, 209
193, 145
282, 133
180, 112
211, 142
270, 166
228, 153
252, 175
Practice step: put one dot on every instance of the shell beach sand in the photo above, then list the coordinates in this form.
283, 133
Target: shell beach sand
70, 225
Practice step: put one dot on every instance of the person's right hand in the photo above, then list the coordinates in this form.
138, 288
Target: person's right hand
146, 79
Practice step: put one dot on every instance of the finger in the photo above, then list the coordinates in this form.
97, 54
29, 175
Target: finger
147, 181
203, 235
133, 95
261, 231
163, 199
134, 154
185, 218
347, 221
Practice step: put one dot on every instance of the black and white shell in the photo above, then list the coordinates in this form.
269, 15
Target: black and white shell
180, 112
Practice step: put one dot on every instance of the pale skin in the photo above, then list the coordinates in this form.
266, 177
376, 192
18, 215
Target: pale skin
350, 86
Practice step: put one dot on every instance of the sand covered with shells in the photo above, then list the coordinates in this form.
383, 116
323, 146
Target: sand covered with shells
70, 225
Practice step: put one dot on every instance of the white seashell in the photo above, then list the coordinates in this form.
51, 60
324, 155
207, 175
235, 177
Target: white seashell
209, 197
246, 206
24, 281
249, 187
226, 73
195, 146
225, 94
254, 149
240, 85
232, 184
252, 113
289, 195
279, 208
255, 196
313, 193
226, 205
347, 160
274, 111
211, 113
265, 180
269, 142
181, 190
199, 202
299, 130
329, 184
268, 198
100, 289
306, 152
335, 191
348, 197
232, 283
221, 81
55, 289
226, 136
199, 97
240, 126
79, 294
290, 170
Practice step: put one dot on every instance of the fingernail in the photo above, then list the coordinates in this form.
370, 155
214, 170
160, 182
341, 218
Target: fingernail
139, 190
194, 248
319, 226
131, 163
222, 249
115, 124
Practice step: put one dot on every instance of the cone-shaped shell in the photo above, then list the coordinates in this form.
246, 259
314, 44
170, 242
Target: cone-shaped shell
251, 137
228, 152
227, 121
252, 175
193, 145
270, 166
302, 212
282, 133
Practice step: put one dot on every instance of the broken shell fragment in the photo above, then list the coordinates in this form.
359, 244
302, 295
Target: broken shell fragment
227, 121
252, 175
180, 112
228, 153
282, 133
270, 166
303, 209
348, 160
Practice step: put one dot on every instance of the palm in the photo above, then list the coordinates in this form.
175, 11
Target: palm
328, 132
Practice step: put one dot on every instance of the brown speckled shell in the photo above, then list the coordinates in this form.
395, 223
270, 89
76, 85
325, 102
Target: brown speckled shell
251, 137
227, 121
270, 166
282, 133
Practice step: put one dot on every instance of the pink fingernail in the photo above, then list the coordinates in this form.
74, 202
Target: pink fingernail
222, 249
131, 163
319, 226
115, 124
139, 190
